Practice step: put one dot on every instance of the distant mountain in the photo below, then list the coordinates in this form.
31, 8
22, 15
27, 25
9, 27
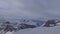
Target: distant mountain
14, 25
18, 24
38, 22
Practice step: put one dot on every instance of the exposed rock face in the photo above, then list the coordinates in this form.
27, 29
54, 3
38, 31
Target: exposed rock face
23, 26
51, 23
8, 26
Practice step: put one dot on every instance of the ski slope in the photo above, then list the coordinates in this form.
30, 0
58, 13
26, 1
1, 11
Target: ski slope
40, 30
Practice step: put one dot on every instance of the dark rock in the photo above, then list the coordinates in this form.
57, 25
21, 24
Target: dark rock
51, 22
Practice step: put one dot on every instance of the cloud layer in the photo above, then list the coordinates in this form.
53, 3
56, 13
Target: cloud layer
28, 8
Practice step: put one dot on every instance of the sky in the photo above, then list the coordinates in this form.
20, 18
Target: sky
48, 9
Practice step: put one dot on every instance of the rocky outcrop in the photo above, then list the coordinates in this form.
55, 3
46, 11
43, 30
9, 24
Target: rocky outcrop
51, 23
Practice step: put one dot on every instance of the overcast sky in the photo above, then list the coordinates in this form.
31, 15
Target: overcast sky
30, 8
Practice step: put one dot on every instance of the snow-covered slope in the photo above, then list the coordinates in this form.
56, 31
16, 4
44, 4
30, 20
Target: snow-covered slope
21, 24
40, 30
9, 32
37, 30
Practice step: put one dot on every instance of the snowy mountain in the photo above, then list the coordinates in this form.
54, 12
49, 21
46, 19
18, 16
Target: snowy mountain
26, 28
14, 25
41, 30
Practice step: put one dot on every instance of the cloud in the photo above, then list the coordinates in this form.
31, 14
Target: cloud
27, 8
